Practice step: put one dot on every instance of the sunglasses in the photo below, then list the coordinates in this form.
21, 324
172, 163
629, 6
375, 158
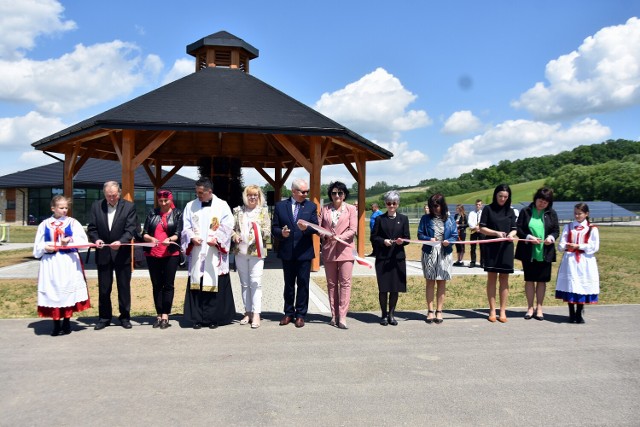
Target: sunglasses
337, 193
391, 203
303, 191
164, 194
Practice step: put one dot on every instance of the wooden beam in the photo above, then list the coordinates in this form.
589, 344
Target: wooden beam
169, 175
288, 145
86, 155
116, 145
354, 173
361, 164
265, 175
152, 146
315, 151
128, 171
67, 180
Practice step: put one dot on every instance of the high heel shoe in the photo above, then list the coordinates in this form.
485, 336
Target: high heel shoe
429, 321
255, 323
384, 321
438, 320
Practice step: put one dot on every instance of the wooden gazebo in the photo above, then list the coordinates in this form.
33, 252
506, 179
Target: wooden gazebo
218, 111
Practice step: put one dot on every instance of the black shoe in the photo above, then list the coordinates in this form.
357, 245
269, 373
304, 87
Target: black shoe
472, 264
429, 321
436, 320
101, 325
66, 326
384, 321
126, 323
164, 324
56, 328
528, 316
214, 325
579, 314
197, 325
458, 264
392, 320
157, 323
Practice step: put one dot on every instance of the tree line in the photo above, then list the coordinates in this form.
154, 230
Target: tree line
605, 171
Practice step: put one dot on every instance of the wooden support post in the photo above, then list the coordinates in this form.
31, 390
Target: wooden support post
315, 154
361, 164
67, 178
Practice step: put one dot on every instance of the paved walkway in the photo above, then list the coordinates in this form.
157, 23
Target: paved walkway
464, 372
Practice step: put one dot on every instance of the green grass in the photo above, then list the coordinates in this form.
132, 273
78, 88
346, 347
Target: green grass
618, 263
22, 233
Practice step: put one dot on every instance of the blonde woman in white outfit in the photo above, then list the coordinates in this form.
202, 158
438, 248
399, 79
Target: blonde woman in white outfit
252, 227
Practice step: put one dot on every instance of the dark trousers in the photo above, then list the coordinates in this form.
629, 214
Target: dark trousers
296, 271
105, 284
162, 271
472, 249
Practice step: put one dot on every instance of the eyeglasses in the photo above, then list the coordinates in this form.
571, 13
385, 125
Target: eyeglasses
303, 191
164, 194
337, 193
391, 203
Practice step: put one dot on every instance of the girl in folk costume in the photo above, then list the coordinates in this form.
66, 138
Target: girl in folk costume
62, 287
252, 226
578, 279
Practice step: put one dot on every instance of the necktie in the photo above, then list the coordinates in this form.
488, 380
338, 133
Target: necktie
296, 208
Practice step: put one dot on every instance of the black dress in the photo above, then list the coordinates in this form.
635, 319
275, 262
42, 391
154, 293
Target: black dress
210, 307
391, 268
498, 257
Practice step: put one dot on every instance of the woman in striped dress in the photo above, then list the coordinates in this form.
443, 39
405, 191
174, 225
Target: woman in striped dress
437, 226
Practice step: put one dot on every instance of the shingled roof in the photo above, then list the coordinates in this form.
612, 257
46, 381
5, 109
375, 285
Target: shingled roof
215, 100
94, 173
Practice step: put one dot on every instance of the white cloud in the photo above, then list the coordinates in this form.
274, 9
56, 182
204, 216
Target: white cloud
374, 105
22, 21
518, 139
181, 68
602, 75
17, 133
461, 122
87, 76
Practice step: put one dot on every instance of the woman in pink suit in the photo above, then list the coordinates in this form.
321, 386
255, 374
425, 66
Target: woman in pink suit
340, 218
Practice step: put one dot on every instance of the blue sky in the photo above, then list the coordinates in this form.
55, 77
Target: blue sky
445, 86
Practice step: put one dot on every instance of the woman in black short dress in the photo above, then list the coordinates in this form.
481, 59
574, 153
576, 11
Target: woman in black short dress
498, 220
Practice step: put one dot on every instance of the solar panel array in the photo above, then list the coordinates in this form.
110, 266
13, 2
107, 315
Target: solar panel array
598, 211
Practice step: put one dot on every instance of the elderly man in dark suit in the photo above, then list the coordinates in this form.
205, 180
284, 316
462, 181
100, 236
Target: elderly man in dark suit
295, 249
113, 221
